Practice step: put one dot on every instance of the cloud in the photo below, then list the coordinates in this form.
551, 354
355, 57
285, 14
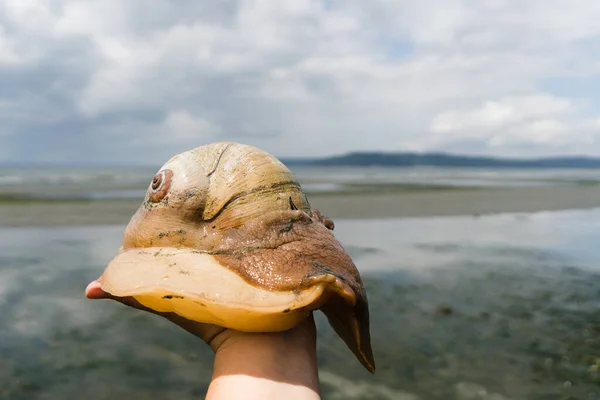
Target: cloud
498, 114
549, 123
114, 81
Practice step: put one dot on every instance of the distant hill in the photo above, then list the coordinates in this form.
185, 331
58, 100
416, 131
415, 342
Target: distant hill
443, 160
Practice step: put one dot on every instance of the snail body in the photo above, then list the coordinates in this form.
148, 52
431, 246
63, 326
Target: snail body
226, 236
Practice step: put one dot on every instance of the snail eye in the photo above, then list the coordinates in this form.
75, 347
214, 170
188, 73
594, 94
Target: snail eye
160, 185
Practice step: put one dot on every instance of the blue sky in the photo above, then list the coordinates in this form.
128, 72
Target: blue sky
136, 81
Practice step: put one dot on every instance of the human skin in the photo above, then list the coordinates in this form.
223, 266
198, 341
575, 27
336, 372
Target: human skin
250, 365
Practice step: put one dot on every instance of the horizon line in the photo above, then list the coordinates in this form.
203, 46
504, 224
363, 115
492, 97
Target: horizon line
313, 158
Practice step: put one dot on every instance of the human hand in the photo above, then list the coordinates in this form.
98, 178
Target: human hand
249, 365
211, 334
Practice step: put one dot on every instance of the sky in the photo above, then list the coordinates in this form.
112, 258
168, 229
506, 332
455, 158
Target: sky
137, 81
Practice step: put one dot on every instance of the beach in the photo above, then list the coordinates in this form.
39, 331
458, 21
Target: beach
476, 291
500, 306
382, 204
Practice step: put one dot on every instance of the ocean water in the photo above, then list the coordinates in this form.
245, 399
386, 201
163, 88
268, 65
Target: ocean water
74, 182
493, 307
131, 182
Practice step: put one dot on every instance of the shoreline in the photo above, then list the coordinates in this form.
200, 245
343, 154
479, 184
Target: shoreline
370, 205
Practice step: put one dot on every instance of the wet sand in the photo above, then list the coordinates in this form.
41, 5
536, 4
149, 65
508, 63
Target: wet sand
392, 204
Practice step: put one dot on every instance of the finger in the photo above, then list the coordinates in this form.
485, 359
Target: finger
94, 291
203, 331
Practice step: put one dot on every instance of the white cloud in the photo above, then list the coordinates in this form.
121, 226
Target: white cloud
500, 114
547, 122
307, 77
544, 132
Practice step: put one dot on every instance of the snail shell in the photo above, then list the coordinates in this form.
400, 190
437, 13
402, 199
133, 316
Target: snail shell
226, 236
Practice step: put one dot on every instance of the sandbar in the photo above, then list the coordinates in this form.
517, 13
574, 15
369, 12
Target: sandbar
399, 204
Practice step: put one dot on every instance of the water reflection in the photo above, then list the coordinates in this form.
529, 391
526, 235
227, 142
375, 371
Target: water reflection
504, 305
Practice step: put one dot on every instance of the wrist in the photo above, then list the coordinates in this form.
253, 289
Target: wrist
266, 364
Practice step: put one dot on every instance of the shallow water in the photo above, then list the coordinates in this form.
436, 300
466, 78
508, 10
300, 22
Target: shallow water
493, 307
119, 182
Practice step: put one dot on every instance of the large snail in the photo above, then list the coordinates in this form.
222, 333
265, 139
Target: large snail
226, 236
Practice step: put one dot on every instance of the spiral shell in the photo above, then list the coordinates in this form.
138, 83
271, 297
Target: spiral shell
226, 236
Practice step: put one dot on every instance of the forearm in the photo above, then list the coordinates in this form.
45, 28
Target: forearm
250, 387
266, 366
